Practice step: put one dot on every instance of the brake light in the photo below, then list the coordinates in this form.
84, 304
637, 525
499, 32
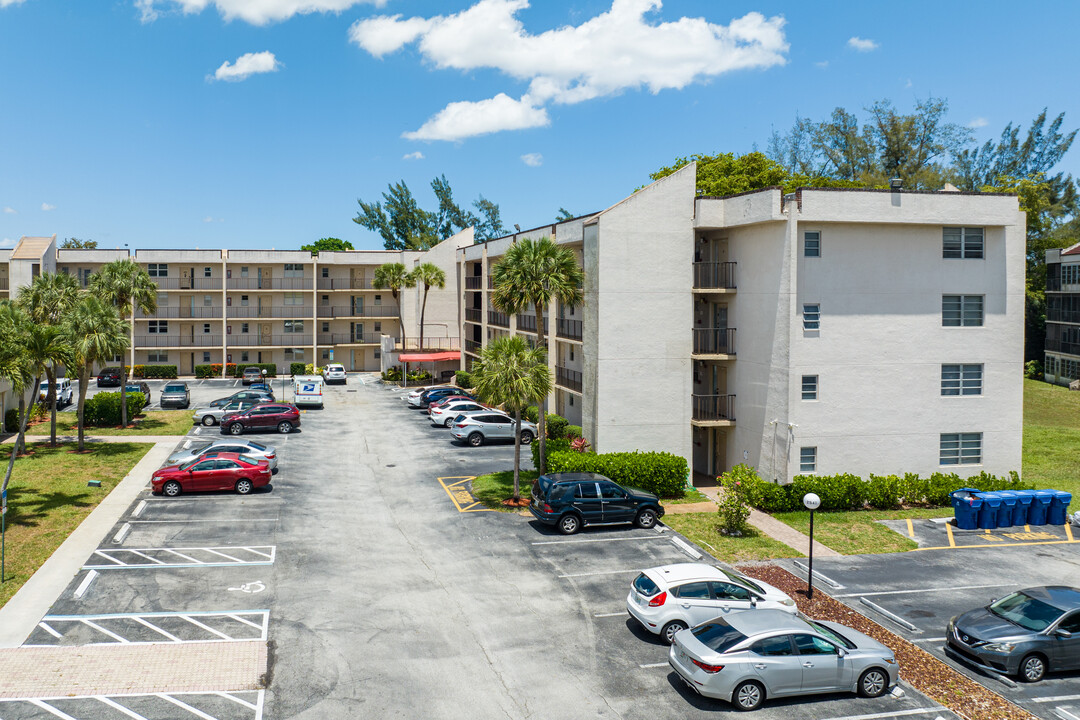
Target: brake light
707, 668
271, 457
460, 425
547, 508
658, 600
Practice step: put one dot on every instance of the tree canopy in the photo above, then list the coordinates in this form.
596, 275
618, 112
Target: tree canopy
77, 244
327, 244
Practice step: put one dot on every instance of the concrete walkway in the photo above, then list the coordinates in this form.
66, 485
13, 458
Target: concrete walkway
174, 439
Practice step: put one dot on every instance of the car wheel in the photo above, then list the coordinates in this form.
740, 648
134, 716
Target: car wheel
646, 518
873, 683
526, 437
748, 696
236, 428
668, 633
208, 420
171, 488
569, 524
284, 427
449, 422
476, 439
244, 486
1032, 668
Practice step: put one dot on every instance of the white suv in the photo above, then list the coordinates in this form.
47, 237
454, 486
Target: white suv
334, 374
65, 394
671, 598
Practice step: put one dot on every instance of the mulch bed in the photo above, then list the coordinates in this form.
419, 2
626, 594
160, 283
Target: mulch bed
522, 502
918, 668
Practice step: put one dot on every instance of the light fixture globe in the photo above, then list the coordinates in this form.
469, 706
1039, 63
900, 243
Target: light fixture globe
811, 501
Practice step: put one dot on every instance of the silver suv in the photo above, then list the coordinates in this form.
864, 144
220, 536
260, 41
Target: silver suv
335, 374
175, 394
478, 428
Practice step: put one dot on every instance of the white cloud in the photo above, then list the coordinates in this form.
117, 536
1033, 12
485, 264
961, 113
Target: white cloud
46, 207
615, 51
210, 219
413, 156
533, 159
7, 242
978, 122
256, 12
247, 65
10, 211
862, 44
6, 3
823, 64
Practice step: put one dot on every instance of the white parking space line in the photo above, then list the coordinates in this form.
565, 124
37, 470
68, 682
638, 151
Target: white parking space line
597, 540
205, 627
44, 626
124, 628
187, 520
603, 615
894, 713
156, 629
1056, 698
1065, 714
604, 572
117, 706
923, 590
81, 590
237, 556
928, 640
655, 665
103, 631
44, 706
180, 703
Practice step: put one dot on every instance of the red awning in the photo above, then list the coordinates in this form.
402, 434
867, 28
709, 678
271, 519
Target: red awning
429, 357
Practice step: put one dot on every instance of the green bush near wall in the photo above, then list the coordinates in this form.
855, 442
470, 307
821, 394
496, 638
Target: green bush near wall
463, 379
657, 472
270, 368
556, 426
11, 420
163, 372
572, 432
560, 445
103, 409
298, 368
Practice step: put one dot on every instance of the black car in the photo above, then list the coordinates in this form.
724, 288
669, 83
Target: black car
570, 500
436, 394
255, 396
109, 377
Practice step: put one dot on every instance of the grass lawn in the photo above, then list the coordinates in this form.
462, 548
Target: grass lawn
703, 529
492, 489
853, 533
48, 498
691, 496
153, 422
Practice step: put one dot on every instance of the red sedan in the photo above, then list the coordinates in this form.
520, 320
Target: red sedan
224, 471
283, 417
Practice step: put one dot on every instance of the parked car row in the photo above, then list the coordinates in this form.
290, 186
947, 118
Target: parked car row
220, 464
468, 419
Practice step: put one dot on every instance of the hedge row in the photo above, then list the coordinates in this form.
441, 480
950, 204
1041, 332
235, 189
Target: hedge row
463, 379
851, 492
11, 420
298, 368
214, 370
657, 472
165, 372
270, 368
103, 409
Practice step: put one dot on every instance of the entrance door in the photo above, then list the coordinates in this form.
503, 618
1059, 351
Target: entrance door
187, 363
265, 278
185, 278
719, 452
264, 305
356, 332
187, 334
356, 278
265, 337
358, 305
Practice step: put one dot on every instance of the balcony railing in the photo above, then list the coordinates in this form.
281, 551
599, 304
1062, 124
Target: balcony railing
570, 329
714, 341
430, 343
197, 340
1063, 346
3, 283
719, 275
349, 283
570, 379
474, 315
270, 311
472, 346
714, 407
184, 311
343, 311
1056, 314
350, 338
261, 340
491, 283
527, 323
474, 282
183, 283
498, 318
255, 283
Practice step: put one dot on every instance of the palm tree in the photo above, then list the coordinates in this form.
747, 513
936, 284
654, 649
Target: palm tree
127, 287
534, 272
96, 333
47, 300
394, 277
515, 375
46, 347
429, 275
15, 368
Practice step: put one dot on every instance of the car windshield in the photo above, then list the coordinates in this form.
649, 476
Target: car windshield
174, 388
189, 463
718, 635
836, 637
1025, 611
198, 448
743, 580
248, 460
645, 585
256, 446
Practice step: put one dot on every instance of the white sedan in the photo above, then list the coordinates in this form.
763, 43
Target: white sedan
444, 414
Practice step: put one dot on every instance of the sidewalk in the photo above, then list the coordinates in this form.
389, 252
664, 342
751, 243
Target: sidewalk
174, 439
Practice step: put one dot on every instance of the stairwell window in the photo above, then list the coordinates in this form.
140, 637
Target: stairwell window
808, 459
961, 448
811, 316
809, 387
961, 379
966, 243
812, 244
962, 310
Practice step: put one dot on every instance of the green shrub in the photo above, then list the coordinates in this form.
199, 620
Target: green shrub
532, 414
103, 409
883, 492
238, 369
214, 370
11, 420
734, 506
419, 376
1033, 370
551, 446
164, 372
463, 379
556, 426
298, 368
657, 472
392, 375
572, 432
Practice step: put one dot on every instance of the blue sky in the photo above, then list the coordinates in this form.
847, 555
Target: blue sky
250, 123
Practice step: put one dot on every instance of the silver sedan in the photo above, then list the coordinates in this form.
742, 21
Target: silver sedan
212, 415
748, 657
193, 448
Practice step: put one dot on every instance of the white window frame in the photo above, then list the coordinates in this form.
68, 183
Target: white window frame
157, 356
963, 243
960, 449
293, 327
206, 356
961, 379
293, 299
208, 271
243, 356
157, 270
808, 459
963, 310
293, 270
158, 327
812, 236
811, 316
809, 387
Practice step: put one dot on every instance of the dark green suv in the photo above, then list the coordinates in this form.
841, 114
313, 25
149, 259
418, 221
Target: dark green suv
569, 501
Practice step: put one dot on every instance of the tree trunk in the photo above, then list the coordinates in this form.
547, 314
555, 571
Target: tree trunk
423, 309
84, 381
400, 324
50, 374
24, 416
123, 394
517, 455
541, 420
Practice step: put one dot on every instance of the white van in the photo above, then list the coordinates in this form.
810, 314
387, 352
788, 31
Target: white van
308, 390
65, 394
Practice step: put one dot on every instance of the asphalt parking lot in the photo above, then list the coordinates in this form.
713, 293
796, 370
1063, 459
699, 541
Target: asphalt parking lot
914, 594
383, 592
202, 391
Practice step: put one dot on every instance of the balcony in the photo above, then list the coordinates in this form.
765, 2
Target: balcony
185, 311
357, 311
1062, 346
171, 341
474, 282
350, 338
431, 344
255, 283
268, 339
714, 341
3, 283
527, 323
1055, 313
713, 409
569, 379
498, 318
473, 346
187, 283
270, 311
569, 329
474, 315
349, 283
714, 275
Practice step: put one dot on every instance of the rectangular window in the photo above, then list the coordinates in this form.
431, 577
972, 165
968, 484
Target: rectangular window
808, 459
206, 327
206, 357
243, 327
294, 299
961, 448
243, 272
378, 327
158, 270
378, 353
1070, 274
326, 272
244, 356
961, 379
812, 244
325, 354
324, 299
158, 326
809, 387
811, 316
378, 299
294, 326
962, 310
157, 356
244, 300
964, 243
207, 300
294, 270
294, 354
208, 271
326, 327
163, 299
84, 276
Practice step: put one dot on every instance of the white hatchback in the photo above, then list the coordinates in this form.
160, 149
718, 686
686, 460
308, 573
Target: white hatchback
670, 598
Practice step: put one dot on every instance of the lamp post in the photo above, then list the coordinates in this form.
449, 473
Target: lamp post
812, 503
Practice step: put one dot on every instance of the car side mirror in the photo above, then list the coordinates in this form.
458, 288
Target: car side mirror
753, 601
841, 651
1063, 633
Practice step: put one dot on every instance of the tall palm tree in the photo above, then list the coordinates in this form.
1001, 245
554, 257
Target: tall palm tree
429, 275
534, 272
395, 278
514, 374
96, 333
47, 300
46, 347
15, 368
128, 288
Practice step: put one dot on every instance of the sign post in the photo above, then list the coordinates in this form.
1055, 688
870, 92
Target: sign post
812, 503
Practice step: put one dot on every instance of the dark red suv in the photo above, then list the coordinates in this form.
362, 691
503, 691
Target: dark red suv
282, 417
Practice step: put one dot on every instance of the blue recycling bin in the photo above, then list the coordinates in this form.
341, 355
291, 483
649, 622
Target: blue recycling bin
1059, 507
1040, 506
988, 513
1007, 509
966, 504
1023, 506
